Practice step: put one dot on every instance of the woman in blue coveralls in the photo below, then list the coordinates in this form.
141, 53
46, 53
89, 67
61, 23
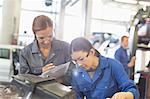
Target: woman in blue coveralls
97, 77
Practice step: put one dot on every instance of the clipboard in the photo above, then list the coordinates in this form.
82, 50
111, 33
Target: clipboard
57, 71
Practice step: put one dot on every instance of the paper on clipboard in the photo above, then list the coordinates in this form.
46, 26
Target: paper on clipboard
57, 71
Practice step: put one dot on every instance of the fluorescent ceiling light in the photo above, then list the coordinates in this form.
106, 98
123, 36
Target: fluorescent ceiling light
145, 3
127, 1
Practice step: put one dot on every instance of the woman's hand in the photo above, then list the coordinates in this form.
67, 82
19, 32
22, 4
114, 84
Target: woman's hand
123, 95
48, 67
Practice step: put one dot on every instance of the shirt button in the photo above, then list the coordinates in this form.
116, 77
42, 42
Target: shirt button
84, 89
82, 75
106, 87
34, 71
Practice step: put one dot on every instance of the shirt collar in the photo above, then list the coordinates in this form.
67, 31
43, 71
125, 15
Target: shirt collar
35, 48
103, 62
56, 45
123, 48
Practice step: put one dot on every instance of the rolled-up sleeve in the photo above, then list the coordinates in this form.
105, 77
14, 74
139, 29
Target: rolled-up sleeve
124, 83
25, 67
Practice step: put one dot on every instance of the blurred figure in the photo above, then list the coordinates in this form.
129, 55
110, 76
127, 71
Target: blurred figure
97, 77
122, 56
45, 52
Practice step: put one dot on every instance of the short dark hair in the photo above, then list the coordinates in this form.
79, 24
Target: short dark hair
122, 38
41, 22
81, 44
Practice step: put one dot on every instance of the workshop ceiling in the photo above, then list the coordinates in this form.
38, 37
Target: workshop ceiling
130, 2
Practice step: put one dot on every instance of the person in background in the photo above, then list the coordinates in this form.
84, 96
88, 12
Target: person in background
97, 77
45, 51
122, 56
